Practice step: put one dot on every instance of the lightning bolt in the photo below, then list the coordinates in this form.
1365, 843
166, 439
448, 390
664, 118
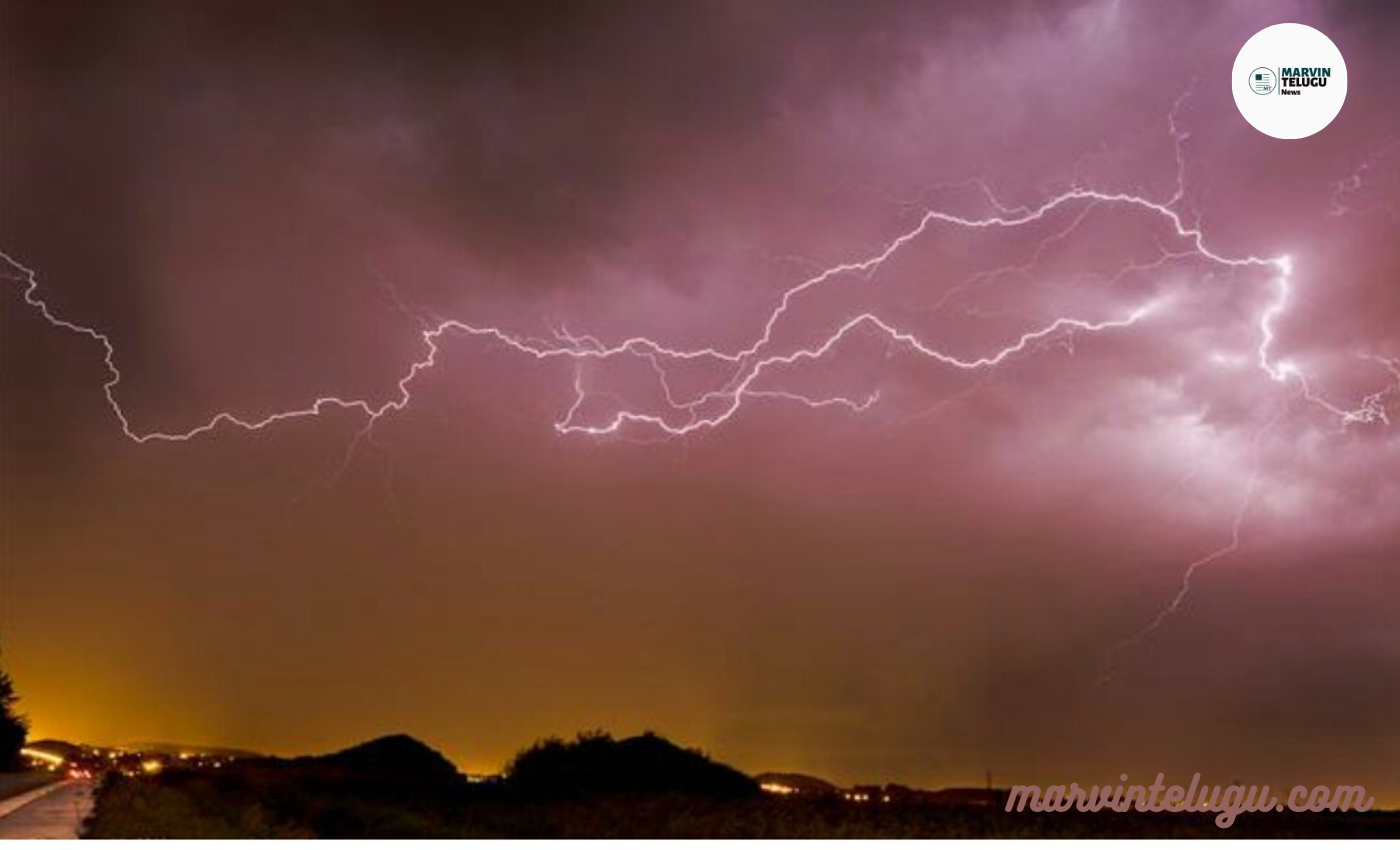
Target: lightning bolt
1354, 184
744, 369
716, 406
750, 364
1188, 577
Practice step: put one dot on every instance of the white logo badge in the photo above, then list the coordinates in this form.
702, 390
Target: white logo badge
1289, 81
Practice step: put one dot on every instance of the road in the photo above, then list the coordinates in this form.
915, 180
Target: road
54, 811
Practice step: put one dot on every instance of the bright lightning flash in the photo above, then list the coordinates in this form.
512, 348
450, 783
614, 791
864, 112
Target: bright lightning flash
745, 368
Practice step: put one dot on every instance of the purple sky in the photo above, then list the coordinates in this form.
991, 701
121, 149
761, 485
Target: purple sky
947, 569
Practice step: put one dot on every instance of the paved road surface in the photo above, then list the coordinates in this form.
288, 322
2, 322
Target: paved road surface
54, 811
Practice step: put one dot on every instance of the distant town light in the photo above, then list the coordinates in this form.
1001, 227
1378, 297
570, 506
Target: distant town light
41, 755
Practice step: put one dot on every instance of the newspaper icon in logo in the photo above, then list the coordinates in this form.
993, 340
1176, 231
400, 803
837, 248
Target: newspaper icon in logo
1262, 80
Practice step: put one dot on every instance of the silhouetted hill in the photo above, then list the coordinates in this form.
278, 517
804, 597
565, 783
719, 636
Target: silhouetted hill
70, 750
169, 749
65, 749
798, 783
598, 764
394, 786
391, 758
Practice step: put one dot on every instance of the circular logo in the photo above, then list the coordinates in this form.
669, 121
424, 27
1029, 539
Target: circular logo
1290, 81
1262, 81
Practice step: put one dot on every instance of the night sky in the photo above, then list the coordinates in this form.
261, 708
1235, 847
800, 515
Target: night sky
922, 517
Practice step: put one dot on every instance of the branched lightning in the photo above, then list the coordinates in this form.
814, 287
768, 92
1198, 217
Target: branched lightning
750, 372
749, 363
716, 406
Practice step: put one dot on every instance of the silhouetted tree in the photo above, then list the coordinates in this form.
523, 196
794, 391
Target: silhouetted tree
13, 726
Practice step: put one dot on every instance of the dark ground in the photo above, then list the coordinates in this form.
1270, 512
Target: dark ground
596, 788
